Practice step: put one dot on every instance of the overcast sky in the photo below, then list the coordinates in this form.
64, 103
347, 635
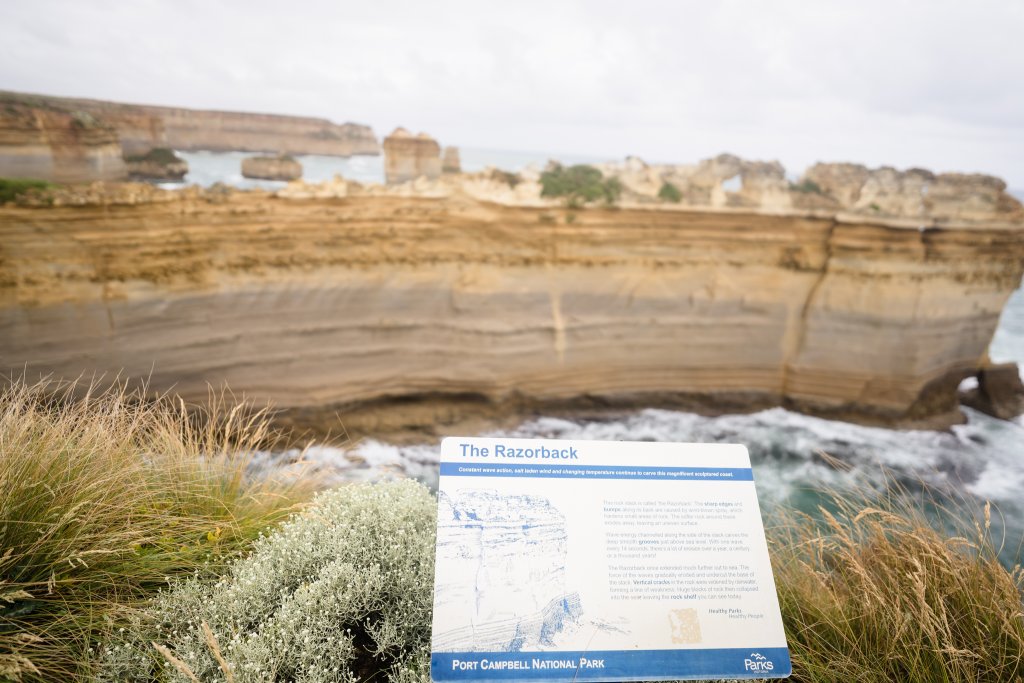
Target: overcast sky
931, 83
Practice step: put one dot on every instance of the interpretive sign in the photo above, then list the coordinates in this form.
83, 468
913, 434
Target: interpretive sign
601, 561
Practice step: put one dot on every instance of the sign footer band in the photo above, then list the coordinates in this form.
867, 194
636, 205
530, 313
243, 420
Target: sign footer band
466, 667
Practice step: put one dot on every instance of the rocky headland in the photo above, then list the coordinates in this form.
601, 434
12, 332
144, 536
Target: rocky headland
52, 144
429, 305
218, 131
79, 140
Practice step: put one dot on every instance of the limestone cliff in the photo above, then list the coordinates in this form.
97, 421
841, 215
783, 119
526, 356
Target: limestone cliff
140, 128
191, 129
886, 193
56, 145
913, 193
415, 311
723, 181
138, 131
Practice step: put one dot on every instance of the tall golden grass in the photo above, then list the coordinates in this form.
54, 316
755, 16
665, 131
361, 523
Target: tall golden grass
873, 589
104, 497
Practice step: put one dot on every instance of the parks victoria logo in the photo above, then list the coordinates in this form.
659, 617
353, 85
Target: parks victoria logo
757, 663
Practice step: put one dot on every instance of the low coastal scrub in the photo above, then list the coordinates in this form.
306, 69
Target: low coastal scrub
157, 155
104, 497
670, 193
510, 179
342, 592
13, 188
579, 184
806, 187
135, 547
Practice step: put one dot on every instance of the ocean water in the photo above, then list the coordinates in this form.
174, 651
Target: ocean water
794, 456
975, 462
1008, 342
207, 168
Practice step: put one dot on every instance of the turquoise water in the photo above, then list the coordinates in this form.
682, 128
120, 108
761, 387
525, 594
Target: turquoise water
1008, 342
207, 168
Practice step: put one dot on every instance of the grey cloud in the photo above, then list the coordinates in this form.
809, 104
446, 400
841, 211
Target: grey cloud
907, 83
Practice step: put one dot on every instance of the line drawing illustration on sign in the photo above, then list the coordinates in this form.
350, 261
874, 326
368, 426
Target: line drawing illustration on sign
514, 547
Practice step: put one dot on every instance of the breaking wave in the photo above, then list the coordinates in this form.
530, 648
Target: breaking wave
794, 456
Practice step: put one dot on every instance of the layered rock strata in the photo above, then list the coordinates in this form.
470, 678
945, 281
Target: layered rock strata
194, 129
416, 312
408, 157
37, 139
281, 167
58, 146
138, 131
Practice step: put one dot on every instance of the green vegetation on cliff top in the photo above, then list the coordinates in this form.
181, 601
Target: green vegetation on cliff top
157, 155
12, 188
806, 187
579, 184
670, 193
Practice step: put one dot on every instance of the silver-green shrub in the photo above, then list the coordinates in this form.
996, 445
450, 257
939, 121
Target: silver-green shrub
341, 592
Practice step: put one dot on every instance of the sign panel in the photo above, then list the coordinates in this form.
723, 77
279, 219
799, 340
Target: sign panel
601, 561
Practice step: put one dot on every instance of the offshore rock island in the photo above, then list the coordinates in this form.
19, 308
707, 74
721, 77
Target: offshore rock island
418, 307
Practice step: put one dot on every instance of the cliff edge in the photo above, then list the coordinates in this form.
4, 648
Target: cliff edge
56, 145
421, 305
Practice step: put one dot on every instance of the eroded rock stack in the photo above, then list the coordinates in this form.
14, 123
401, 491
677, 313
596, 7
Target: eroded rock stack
158, 163
281, 167
407, 157
1000, 392
450, 162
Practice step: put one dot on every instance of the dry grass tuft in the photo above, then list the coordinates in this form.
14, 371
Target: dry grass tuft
877, 593
104, 497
